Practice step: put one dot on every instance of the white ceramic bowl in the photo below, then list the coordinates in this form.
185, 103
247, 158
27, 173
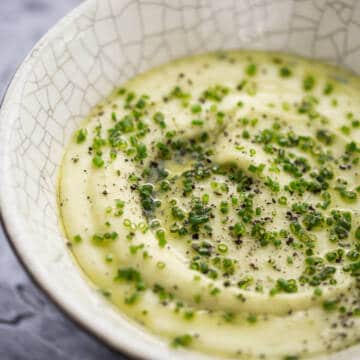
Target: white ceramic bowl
95, 48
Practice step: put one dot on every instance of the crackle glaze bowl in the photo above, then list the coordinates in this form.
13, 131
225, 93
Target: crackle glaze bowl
96, 47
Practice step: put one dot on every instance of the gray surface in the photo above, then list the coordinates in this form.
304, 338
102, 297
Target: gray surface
31, 328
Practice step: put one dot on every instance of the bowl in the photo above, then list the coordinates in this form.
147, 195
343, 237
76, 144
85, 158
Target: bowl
98, 46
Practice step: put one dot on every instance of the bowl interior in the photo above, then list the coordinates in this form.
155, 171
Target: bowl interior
97, 47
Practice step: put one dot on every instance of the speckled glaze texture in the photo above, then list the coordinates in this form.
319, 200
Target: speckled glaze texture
98, 46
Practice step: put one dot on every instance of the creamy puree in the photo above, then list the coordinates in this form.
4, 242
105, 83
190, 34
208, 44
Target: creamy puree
215, 200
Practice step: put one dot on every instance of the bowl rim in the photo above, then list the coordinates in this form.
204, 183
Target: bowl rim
119, 347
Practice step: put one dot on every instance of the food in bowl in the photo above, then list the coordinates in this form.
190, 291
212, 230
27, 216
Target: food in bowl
215, 200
